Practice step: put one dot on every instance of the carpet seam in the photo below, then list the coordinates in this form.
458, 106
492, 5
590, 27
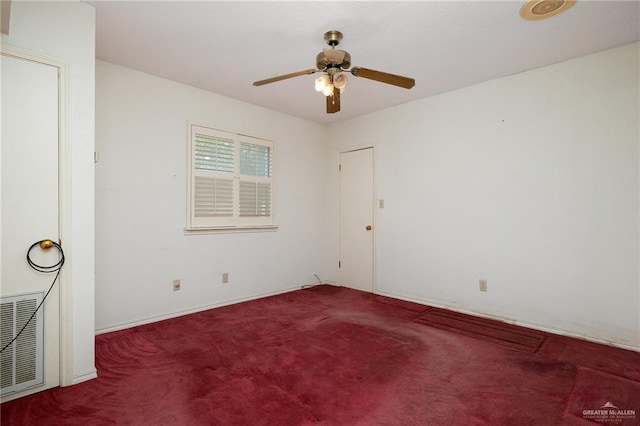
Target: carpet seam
470, 320
430, 318
512, 344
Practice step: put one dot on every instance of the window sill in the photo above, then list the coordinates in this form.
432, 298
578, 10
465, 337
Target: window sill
229, 230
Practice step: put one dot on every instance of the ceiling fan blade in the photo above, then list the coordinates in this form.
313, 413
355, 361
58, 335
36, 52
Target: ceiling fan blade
384, 77
333, 101
283, 77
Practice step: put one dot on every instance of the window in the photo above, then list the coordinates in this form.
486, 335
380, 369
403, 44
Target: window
231, 182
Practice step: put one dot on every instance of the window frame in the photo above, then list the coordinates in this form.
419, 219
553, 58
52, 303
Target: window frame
235, 223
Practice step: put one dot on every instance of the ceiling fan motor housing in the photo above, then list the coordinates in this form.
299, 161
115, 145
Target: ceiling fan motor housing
323, 62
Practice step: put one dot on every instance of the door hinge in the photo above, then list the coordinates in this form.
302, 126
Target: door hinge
339, 167
96, 156
339, 264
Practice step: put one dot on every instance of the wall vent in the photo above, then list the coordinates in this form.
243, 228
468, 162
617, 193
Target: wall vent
535, 10
21, 364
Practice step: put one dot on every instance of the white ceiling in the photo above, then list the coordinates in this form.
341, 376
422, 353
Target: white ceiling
224, 47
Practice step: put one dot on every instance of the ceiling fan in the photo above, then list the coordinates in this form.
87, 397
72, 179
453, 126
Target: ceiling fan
334, 63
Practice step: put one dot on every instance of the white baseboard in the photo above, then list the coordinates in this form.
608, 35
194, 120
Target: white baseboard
177, 314
79, 378
551, 330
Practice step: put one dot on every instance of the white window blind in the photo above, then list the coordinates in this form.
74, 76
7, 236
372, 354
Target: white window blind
255, 160
255, 199
213, 197
231, 184
214, 154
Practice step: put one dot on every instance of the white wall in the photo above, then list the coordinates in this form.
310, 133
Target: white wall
141, 137
529, 182
66, 31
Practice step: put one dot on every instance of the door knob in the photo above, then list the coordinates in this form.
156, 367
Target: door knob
368, 228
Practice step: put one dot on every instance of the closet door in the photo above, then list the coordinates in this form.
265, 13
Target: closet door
29, 213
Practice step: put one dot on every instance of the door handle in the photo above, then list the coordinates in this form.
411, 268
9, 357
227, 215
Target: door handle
368, 227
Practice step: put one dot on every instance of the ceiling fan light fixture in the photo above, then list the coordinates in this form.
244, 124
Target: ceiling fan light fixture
340, 82
322, 82
328, 90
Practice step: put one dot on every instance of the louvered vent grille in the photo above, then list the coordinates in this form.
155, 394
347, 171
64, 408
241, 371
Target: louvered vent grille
22, 361
6, 331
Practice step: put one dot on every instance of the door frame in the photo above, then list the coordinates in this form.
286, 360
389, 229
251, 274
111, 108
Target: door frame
64, 205
374, 212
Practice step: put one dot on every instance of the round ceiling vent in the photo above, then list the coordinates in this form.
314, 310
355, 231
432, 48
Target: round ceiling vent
541, 9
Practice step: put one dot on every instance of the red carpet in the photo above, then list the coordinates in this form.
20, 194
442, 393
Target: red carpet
411, 306
331, 356
498, 332
592, 387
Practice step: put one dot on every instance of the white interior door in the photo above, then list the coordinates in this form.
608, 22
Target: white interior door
29, 193
356, 220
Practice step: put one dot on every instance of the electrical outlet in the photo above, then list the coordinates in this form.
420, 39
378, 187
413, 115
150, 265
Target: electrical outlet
176, 285
483, 285
225, 278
